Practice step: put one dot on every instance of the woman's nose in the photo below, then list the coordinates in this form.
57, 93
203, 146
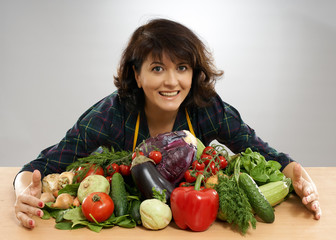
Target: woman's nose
171, 78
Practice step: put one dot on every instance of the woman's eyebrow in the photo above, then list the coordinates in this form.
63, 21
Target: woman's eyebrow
155, 63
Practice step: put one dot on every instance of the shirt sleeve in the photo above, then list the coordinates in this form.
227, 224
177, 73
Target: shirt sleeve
92, 130
238, 136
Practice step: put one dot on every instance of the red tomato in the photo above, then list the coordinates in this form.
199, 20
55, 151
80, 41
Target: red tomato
93, 170
222, 162
98, 205
156, 156
183, 184
112, 169
213, 168
210, 150
188, 177
125, 170
109, 178
206, 158
134, 154
198, 166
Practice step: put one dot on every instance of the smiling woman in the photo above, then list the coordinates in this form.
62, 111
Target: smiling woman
165, 83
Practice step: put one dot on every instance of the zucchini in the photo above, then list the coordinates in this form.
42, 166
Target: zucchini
135, 211
257, 200
119, 195
275, 192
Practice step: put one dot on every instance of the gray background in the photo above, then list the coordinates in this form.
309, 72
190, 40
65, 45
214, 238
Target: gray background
57, 58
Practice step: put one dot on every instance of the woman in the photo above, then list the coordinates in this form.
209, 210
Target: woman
166, 75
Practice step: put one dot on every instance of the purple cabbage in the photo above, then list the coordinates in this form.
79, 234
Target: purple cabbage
178, 151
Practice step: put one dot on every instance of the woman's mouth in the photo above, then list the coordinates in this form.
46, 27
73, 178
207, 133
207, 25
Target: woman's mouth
169, 94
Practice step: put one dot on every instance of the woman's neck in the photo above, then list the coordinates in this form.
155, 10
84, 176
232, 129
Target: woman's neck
160, 121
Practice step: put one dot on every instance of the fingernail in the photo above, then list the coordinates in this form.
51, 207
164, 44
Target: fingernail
40, 204
31, 222
40, 213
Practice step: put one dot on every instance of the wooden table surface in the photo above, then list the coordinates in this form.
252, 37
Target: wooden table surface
292, 220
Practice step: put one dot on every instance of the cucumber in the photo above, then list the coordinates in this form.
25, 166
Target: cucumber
119, 195
257, 200
135, 211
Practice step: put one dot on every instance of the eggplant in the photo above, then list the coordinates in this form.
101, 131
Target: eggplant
146, 176
178, 151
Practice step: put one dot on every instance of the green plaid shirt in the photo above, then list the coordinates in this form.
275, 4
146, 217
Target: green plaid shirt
108, 123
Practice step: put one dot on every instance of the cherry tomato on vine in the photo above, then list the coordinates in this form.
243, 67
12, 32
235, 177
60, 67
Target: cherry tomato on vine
222, 162
112, 169
134, 154
210, 150
213, 168
156, 156
188, 177
206, 158
98, 205
198, 166
125, 170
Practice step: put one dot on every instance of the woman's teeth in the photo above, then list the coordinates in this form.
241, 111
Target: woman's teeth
169, 94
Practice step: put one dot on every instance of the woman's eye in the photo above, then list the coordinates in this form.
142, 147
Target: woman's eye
157, 69
182, 68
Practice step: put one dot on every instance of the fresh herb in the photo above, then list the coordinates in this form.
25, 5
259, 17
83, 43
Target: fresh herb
102, 157
234, 204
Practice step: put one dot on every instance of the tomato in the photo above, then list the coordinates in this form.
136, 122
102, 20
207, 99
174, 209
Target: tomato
97, 205
184, 184
209, 150
125, 170
206, 158
222, 162
156, 156
112, 169
198, 166
188, 177
212, 168
93, 170
134, 154
109, 178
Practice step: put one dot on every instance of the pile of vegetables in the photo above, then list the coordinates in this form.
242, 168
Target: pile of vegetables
170, 177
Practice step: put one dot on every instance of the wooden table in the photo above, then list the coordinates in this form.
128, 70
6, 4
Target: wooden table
292, 220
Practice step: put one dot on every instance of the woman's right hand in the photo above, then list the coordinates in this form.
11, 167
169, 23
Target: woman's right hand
28, 203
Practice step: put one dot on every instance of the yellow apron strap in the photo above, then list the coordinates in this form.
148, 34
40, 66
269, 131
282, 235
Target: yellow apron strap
189, 123
136, 132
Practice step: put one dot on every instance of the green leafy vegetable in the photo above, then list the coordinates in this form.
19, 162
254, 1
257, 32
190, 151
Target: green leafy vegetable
255, 164
74, 218
70, 189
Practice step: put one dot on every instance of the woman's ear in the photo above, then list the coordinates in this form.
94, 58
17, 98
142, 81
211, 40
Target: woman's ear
137, 77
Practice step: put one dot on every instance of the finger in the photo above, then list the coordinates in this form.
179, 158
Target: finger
25, 220
35, 186
30, 200
315, 206
310, 198
28, 210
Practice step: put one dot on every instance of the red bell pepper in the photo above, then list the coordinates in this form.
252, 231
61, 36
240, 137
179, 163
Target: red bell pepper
194, 207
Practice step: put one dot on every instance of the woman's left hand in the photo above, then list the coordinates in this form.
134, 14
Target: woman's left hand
307, 191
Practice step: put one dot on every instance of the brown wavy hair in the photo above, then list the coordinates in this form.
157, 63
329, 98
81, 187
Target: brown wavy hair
160, 36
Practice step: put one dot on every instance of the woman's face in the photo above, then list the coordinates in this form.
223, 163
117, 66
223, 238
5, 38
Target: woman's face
165, 83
